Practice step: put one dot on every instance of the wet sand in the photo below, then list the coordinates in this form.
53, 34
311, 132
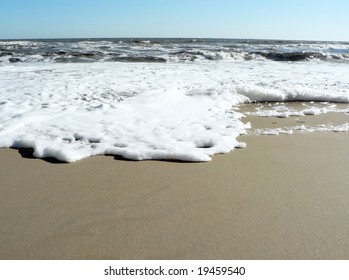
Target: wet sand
282, 197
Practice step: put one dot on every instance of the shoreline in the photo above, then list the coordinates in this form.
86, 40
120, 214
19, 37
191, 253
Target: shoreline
283, 197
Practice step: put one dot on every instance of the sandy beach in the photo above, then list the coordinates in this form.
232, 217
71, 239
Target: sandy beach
282, 197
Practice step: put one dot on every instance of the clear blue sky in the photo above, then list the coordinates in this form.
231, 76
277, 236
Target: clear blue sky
277, 19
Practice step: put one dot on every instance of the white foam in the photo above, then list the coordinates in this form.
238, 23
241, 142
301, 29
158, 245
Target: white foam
315, 111
304, 129
176, 111
273, 131
72, 111
286, 112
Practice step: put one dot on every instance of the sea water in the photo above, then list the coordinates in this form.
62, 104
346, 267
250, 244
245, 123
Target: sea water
172, 99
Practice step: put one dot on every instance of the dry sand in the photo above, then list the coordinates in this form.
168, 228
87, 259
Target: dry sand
283, 197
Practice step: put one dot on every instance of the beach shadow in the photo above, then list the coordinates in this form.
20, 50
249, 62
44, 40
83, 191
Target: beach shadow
116, 157
120, 158
28, 154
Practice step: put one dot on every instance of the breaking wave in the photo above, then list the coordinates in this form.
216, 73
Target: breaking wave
168, 50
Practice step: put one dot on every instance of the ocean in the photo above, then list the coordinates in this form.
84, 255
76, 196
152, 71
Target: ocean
164, 99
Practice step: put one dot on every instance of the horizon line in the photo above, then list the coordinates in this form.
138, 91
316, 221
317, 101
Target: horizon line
143, 37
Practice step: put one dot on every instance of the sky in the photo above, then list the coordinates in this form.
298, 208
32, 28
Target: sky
244, 19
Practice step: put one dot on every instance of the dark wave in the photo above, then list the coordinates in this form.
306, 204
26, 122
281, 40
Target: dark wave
186, 55
137, 59
73, 54
291, 56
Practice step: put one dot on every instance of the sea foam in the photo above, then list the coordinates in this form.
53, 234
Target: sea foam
139, 112
171, 111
